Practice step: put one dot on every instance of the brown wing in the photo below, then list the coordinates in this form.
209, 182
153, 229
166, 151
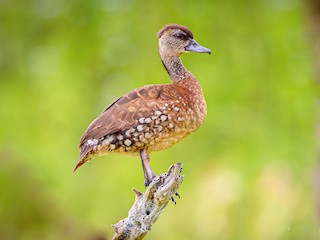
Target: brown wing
128, 109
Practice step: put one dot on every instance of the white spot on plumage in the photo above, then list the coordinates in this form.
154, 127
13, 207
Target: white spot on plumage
141, 120
92, 141
107, 140
141, 137
135, 134
140, 128
177, 109
148, 120
129, 131
127, 142
163, 118
157, 113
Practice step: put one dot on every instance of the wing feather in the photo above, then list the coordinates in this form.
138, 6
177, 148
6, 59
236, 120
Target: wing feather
125, 112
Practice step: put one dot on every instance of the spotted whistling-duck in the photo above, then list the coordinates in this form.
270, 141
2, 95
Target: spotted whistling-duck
153, 117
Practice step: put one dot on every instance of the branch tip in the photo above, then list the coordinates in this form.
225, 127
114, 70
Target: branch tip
137, 192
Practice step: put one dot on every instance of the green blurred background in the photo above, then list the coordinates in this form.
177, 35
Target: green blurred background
248, 171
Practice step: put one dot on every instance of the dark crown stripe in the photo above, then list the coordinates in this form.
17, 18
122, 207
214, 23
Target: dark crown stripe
175, 26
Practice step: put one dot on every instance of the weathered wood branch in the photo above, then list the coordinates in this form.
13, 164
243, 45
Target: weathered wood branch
149, 205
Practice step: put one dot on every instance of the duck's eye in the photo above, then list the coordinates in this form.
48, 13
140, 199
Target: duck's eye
181, 36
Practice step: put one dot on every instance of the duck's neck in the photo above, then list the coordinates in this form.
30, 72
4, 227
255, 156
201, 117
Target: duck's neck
175, 68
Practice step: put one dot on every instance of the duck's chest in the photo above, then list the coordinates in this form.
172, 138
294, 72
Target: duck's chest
192, 103
185, 115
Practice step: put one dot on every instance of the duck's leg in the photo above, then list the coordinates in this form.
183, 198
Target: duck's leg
147, 170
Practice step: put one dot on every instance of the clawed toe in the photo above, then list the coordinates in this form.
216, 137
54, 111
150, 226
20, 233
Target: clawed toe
172, 198
147, 183
177, 194
148, 180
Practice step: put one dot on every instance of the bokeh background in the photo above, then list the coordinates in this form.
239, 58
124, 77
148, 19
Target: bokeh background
249, 171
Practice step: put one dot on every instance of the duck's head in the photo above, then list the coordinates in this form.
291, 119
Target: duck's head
175, 39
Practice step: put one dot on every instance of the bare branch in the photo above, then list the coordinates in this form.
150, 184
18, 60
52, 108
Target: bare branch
149, 205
